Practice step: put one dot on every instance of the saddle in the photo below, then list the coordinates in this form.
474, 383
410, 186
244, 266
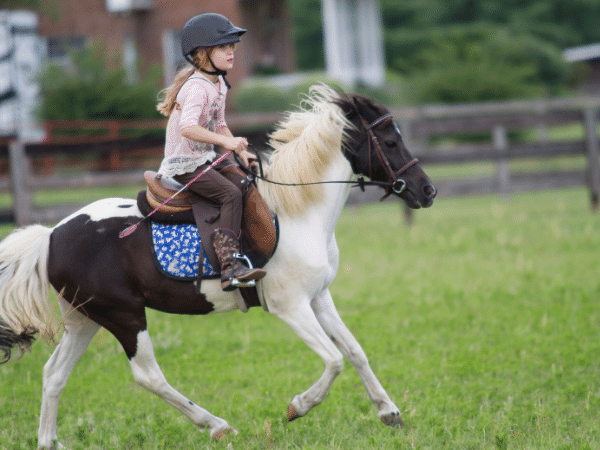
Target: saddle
259, 230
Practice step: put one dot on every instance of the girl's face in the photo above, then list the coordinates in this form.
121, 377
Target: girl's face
222, 56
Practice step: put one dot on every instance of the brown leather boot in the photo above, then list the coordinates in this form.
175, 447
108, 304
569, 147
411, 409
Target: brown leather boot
234, 273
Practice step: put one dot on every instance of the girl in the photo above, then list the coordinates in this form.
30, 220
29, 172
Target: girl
195, 105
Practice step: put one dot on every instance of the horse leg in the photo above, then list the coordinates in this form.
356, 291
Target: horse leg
147, 374
301, 318
79, 331
330, 320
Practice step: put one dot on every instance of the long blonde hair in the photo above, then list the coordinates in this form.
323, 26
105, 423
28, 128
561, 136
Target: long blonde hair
168, 96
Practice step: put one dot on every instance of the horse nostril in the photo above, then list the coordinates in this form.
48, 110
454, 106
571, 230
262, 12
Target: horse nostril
430, 191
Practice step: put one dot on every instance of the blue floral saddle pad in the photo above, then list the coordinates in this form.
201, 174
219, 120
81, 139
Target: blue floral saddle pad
176, 251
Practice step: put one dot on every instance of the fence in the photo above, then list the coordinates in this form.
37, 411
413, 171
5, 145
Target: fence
101, 153
504, 131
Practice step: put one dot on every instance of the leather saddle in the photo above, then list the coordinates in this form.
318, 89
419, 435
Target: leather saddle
259, 230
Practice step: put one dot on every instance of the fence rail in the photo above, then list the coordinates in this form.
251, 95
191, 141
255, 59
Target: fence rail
497, 125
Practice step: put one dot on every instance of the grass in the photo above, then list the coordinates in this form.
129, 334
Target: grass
482, 321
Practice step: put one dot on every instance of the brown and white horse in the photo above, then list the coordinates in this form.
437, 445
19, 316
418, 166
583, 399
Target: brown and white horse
105, 281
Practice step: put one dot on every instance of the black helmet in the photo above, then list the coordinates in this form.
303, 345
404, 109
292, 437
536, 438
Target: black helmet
208, 30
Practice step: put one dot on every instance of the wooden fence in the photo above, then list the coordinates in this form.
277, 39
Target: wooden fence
500, 133
496, 133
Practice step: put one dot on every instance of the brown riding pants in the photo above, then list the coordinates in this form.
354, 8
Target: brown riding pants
215, 187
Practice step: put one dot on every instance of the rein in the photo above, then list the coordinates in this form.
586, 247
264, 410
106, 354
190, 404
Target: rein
360, 182
396, 184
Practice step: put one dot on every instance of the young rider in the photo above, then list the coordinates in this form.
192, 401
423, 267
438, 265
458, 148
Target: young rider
195, 105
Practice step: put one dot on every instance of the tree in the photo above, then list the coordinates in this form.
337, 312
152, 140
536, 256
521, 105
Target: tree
515, 46
94, 87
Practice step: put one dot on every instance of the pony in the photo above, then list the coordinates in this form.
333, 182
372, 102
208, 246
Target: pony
329, 143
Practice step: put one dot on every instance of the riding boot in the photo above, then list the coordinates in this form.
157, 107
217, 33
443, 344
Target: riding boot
234, 273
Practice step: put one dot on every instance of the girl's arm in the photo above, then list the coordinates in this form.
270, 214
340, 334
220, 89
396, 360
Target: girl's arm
245, 155
222, 137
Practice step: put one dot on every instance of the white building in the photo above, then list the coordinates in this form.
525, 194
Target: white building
354, 41
19, 64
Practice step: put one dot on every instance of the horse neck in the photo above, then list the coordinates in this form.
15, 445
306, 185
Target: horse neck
325, 209
335, 194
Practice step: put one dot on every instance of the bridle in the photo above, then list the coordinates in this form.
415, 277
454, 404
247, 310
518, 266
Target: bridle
395, 184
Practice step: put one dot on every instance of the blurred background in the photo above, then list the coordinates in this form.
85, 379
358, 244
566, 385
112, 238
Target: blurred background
482, 315
493, 89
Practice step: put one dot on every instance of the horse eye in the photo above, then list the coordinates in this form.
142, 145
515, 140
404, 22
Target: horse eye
390, 143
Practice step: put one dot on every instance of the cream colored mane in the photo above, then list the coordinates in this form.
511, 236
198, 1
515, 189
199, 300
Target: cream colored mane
304, 145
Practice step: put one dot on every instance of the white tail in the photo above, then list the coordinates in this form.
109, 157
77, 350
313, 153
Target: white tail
24, 285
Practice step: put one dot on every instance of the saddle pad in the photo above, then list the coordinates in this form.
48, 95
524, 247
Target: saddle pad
176, 251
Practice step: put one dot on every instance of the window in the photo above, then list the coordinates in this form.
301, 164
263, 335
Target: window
59, 47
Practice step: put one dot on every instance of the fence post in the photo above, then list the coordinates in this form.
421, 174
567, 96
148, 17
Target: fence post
501, 146
406, 133
19, 174
591, 128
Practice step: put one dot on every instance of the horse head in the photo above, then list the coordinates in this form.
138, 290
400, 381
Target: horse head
375, 149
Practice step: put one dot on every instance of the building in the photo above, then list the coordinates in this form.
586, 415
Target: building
144, 32
148, 31
589, 55
353, 41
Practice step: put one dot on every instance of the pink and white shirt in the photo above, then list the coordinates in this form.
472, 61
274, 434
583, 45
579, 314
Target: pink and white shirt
199, 102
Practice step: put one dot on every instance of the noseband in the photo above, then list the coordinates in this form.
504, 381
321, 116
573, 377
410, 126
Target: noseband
398, 185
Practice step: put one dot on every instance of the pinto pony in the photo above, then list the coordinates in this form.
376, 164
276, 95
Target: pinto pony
103, 280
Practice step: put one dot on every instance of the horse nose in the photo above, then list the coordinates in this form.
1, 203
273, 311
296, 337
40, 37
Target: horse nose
430, 191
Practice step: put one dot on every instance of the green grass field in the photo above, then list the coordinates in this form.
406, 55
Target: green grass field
482, 321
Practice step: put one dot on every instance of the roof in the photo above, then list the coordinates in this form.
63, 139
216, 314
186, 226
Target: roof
582, 53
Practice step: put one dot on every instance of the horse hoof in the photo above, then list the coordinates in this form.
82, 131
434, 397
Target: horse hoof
291, 413
217, 436
392, 420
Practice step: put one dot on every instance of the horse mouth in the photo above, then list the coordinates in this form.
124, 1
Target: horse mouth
414, 202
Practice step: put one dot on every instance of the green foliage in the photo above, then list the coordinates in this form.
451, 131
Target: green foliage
265, 95
503, 48
26, 4
93, 87
308, 33
457, 67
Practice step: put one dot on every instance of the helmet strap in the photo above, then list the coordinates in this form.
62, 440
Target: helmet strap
216, 72
210, 72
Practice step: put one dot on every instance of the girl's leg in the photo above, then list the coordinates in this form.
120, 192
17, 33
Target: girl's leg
215, 187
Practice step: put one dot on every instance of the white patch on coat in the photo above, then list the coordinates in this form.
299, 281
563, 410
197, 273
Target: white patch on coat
105, 209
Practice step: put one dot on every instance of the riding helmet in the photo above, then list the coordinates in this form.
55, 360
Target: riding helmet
208, 30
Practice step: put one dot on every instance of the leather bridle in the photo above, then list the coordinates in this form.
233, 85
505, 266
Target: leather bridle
398, 185
395, 184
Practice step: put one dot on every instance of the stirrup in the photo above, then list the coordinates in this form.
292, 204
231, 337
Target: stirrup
237, 283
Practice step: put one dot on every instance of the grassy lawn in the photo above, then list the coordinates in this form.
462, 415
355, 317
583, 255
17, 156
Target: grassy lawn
482, 321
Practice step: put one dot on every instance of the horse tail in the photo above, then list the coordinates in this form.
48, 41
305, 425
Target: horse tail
24, 289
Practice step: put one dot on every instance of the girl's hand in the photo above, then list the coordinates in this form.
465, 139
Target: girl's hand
239, 145
235, 144
245, 156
